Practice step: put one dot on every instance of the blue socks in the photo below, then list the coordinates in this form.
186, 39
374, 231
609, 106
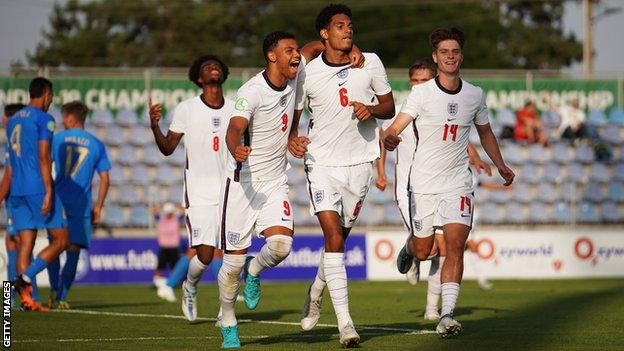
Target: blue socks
69, 273
35, 267
54, 269
12, 265
179, 272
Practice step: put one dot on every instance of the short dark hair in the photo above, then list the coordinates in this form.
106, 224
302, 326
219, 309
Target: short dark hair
422, 64
193, 73
324, 17
11, 109
76, 108
38, 87
270, 41
441, 34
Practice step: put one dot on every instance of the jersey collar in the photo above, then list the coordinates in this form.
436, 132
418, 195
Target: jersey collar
218, 107
333, 64
273, 86
451, 92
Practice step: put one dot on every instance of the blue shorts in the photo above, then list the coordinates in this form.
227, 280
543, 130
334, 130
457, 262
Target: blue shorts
80, 230
10, 227
26, 211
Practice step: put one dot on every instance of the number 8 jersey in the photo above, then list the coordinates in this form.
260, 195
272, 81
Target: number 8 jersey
443, 121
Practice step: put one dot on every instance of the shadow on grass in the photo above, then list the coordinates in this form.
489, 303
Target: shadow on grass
464, 311
82, 305
265, 315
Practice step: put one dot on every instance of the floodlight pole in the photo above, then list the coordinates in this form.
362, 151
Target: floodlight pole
588, 39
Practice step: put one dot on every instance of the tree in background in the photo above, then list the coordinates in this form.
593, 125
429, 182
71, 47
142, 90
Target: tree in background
119, 33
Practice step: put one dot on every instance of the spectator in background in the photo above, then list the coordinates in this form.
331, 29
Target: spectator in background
168, 218
573, 119
528, 125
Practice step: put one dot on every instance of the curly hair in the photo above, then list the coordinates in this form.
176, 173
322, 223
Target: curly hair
324, 17
193, 73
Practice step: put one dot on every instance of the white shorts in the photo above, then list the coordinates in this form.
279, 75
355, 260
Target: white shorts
401, 191
251, 207
202, 225
430, 210
339, 189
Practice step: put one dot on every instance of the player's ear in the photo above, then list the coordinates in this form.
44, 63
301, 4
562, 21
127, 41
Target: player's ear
271, 56
433, 56
324, 34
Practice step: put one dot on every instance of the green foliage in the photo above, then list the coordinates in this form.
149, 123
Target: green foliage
120, 33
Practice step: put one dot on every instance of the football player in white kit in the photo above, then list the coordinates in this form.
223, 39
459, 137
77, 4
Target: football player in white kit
444, 109
202, 121
339, 151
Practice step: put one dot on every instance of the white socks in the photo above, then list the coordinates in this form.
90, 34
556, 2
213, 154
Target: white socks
433, 283
336, 278
195, 271
316, 290
274, 251
229, 277
450, 292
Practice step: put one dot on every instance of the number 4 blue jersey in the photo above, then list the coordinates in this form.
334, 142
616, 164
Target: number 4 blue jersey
24, 131
77, 154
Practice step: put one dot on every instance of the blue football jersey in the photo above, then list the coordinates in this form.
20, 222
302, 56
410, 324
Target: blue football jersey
24, 131
77, 154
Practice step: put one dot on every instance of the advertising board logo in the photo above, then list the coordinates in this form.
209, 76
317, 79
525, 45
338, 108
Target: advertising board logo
384, 250
485, 248
584, 248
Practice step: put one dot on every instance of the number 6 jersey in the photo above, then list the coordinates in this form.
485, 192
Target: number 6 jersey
443, 121
337, 137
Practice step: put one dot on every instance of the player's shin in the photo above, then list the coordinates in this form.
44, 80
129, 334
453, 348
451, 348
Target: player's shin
316, 290
274, 251
69, 274
336, 277
229, 277
179, 272
434, 288
54, 271
195, 271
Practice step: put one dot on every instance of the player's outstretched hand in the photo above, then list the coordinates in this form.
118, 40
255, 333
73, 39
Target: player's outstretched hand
481, 165
96, 214
298, 146
356, 57
381, 182
241, 153
507, 174
155, 113
391, 141
46, 206
361, 111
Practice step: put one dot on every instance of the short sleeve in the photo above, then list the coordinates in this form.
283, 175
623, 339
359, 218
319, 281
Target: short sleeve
179, 120
301, 89
103, 164
481, 116
247, 101
45, 128
380, 83
412, 104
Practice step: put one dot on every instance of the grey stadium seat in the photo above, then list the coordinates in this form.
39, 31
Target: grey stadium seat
599, 172
102, 118
586, 213
127, 117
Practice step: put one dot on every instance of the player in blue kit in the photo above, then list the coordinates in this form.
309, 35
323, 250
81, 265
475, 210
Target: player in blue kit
77, 155
32, 199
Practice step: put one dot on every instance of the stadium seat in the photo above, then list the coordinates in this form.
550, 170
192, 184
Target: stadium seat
152, 156
392, 215
515, 213
55, 112
596, 118
378, 197
616, 116
140, 175
538, 213
114, 216
102, 118
538, 154
302, 216
522, 193
127, 118
127, 195
127, 155
176, 194
114, 136
93, 130
576, 173
571, 191
302, 194
500, 196
615, 191
140, 136
613, 136
505, 118
481, 194
368, 215
584, 154
610, 212
560, 153
166, 175
552, 173
529, 174
562, 212
592, 192
178, 158
546, 192
513, 154
490, 213
586, 213
619, 171
116, 175
139, 216
599, 172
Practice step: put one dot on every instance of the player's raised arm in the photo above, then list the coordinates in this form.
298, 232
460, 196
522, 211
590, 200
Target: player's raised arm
166, 144
235, 131
391, 138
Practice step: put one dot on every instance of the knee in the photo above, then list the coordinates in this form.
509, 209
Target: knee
204, 256
334, 243
422, 253
279, 246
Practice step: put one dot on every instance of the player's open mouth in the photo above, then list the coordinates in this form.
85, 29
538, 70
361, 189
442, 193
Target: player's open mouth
295, 64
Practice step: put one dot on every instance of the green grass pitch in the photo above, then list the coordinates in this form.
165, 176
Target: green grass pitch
514, 315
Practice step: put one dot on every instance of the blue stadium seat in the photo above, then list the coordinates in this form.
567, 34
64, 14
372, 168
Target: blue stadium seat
616, 116
513, 154
613, 136
302, 194
368, 215
114, 216
596, 118
302, 216
102, 118
140, 175
550, 119
571, 191
127, 195
127, 155
615, 191
116, 175
139, 216
562, 212
619, 171
610, 212
586, 213
576, 173
481, 194
176, 194
592, 192
491, 213
114, 136
552, 173
92, 129
166, 175
505, 117
379, 197
546, 192
538, 213
584, 154
501, 196
560, 153
178, 158
538, 154
529, 174
522, 193
599, 172
127, 117
152, 156
140, 136
515, 213
392, 215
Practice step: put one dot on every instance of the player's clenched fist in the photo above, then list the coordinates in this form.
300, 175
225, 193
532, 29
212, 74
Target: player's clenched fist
391, 141
155, 113
507, 174
361, 111
241, 153
298, 146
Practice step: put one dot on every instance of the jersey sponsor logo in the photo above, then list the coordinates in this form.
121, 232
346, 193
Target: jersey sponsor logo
241, 104
216, 122
233, 238
343, 73
283, 100
452, 108
51, 126
319, 195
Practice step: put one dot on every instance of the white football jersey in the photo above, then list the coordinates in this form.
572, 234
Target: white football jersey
443, 121
337, 137
204, 128
269, 110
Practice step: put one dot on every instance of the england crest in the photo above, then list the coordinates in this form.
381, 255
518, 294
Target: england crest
283, 100
233, 238
319, 195
342, 74
418, 225
452, 108
216, 122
